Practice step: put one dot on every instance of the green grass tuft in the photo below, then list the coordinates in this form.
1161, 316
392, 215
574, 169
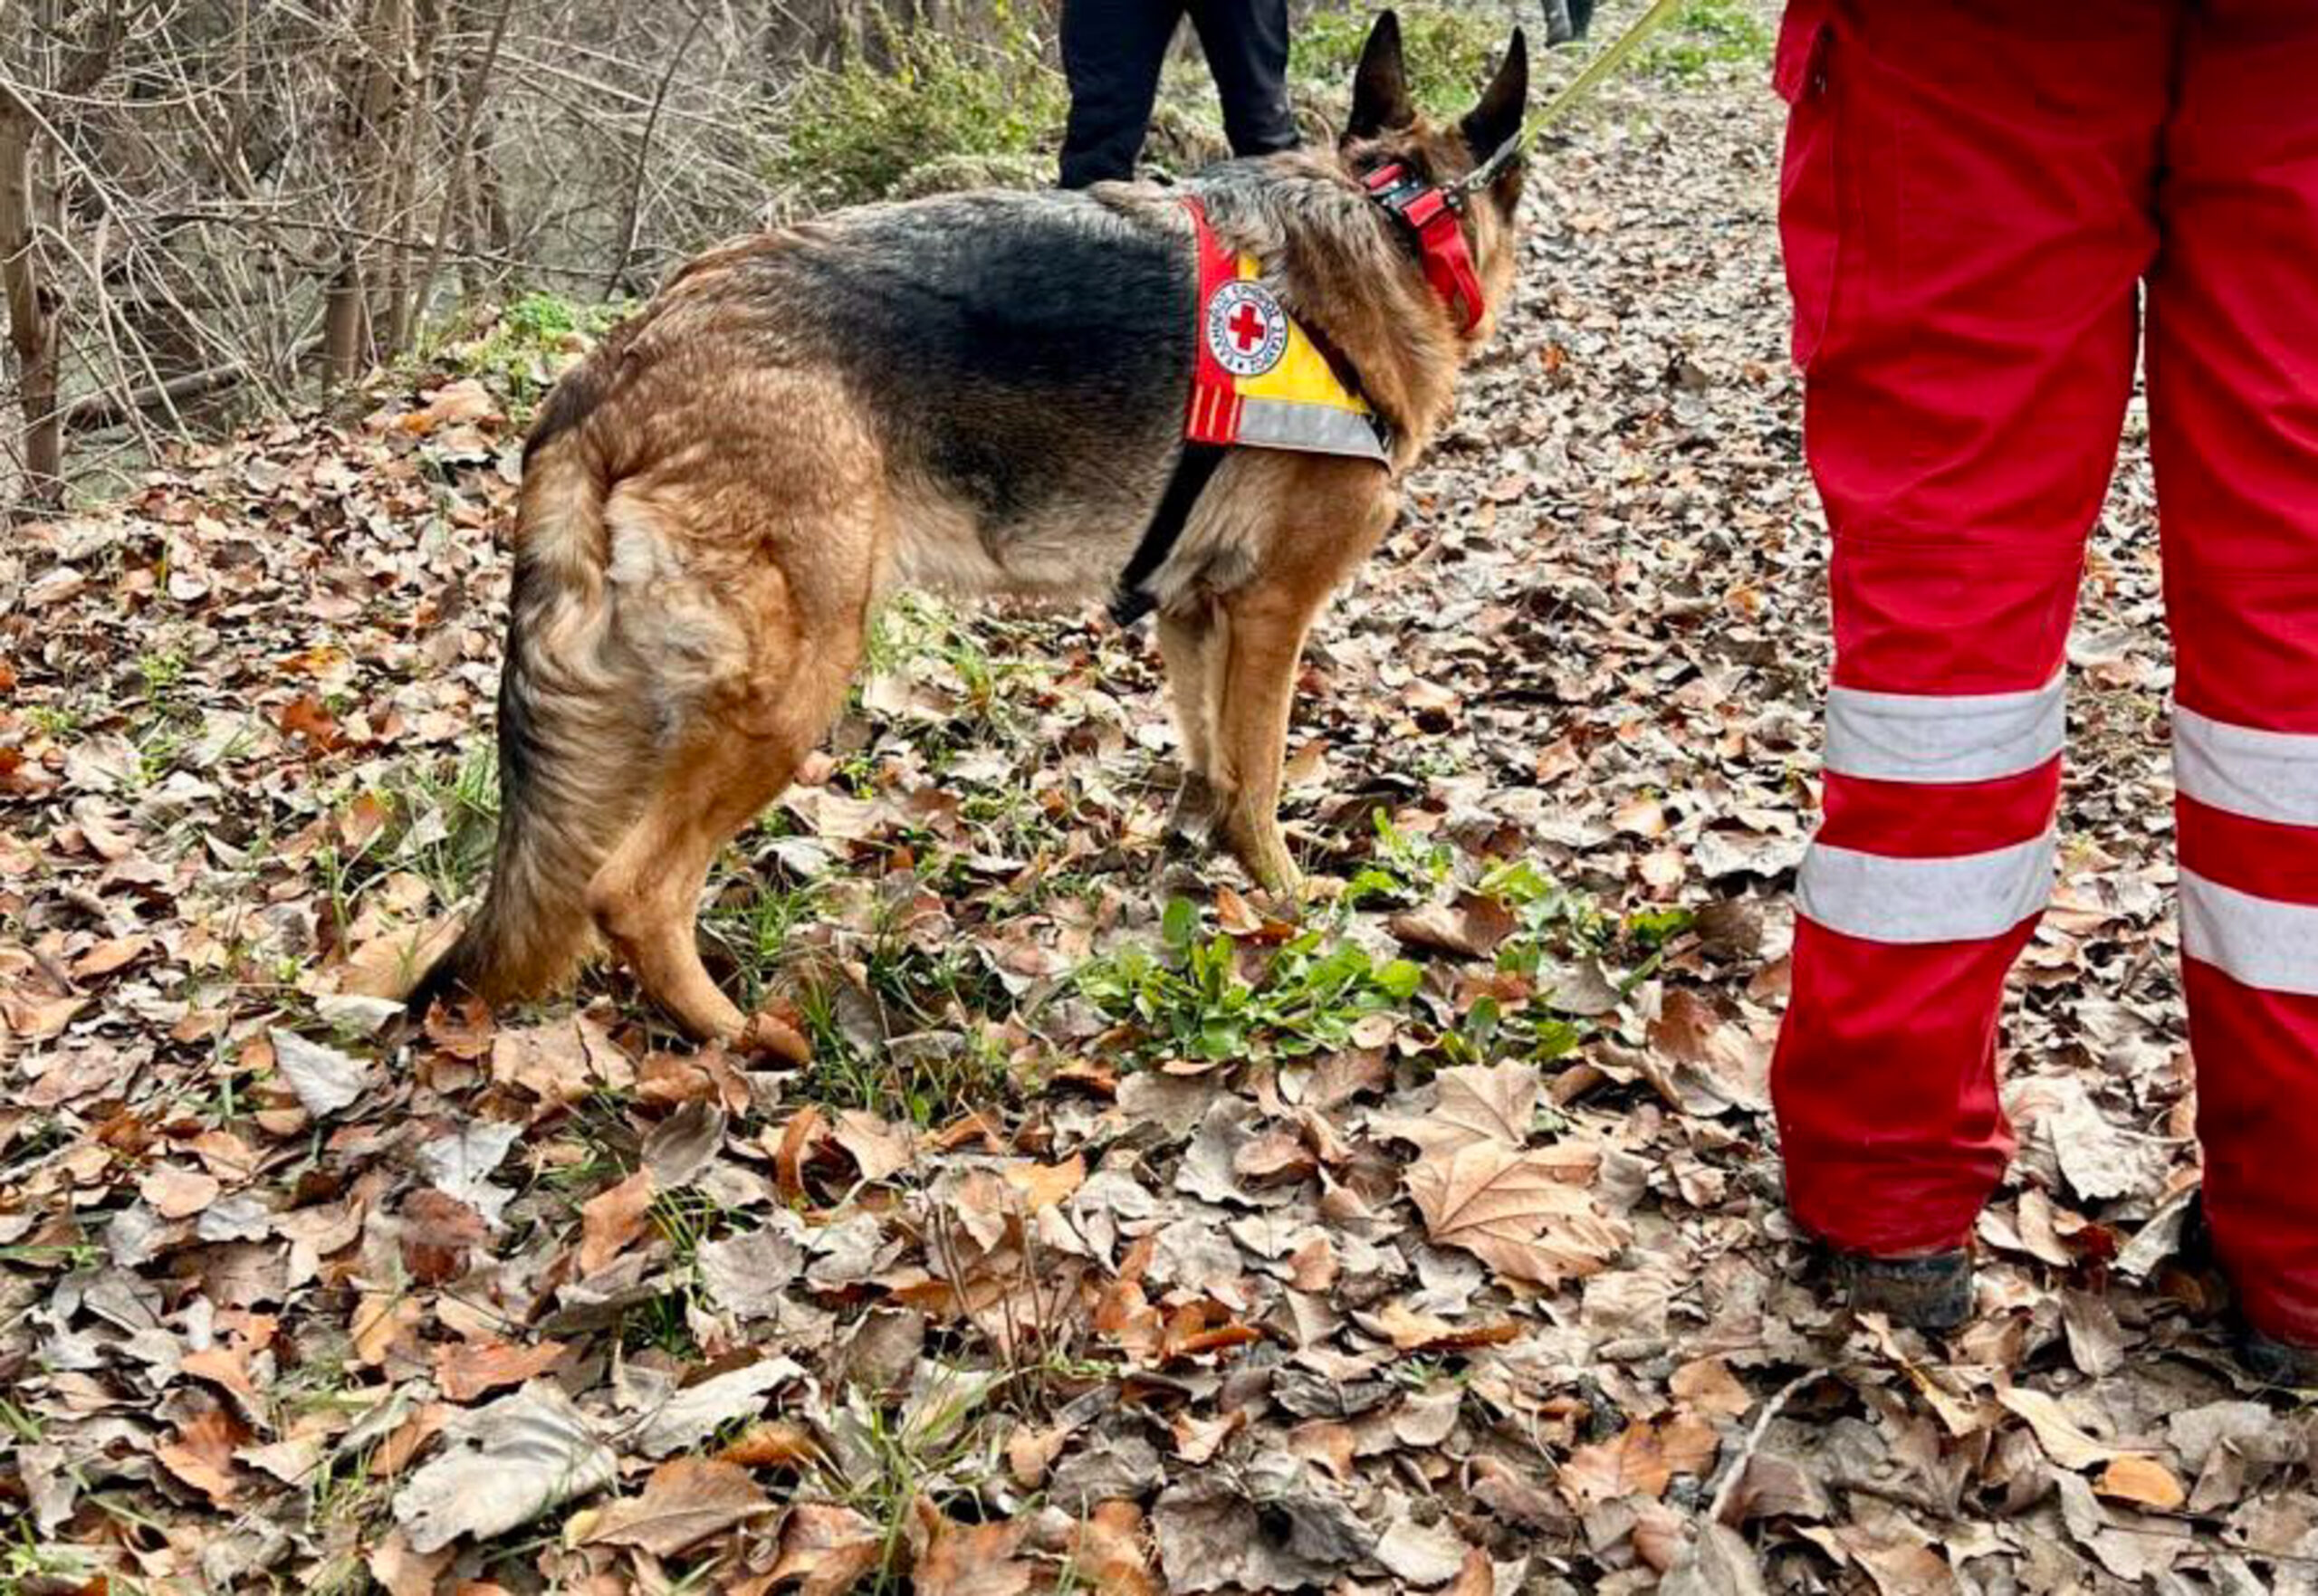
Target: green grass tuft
1450, 49
1705, 35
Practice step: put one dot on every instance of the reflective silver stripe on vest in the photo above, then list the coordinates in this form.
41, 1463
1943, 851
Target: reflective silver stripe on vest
1965, 898
2256, 941
1316, 429
1932, 738
2262, 775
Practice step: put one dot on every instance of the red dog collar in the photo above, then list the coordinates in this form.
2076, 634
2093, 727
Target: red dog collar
1431, 213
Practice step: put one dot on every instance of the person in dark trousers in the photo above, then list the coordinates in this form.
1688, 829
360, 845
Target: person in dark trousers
1111, 51
1567, 21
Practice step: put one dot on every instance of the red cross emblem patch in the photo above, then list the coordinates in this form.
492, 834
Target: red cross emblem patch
1246, 331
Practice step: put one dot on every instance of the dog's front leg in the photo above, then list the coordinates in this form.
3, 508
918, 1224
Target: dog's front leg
1190, 644
1262, 637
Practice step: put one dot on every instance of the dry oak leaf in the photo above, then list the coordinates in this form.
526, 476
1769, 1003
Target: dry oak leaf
2142, 1480
1632, 1464
508, 1462
1472, 926
829, 1547
463, 1030
795, 1148
176, 1194
325, 1079
1708, 1386
613, 1219
1518, 1212
1413, 1331
388, 965
956, 1559
878, 1148
1046, 1185
202, 1454
683, 1503
223, 1367
466, 1370
1109, 1556
401, 1571
2063, 1442
1475, 1578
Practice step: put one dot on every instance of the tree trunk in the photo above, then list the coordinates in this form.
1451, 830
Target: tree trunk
32, 330
367, 141
455, 214
417, 102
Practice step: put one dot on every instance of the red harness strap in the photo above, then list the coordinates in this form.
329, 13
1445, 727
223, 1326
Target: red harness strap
1215, 397
1440, 243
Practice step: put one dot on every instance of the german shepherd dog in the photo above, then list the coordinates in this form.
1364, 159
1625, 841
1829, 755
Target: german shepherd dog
984, 394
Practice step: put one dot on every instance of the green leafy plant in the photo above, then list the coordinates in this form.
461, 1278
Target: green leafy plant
1192, 999
1401, 869
529, 343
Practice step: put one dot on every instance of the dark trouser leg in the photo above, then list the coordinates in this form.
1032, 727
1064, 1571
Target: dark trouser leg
1111, 51
1246, 44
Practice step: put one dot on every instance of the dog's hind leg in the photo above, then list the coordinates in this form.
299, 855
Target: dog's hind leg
1190, 642
738, 749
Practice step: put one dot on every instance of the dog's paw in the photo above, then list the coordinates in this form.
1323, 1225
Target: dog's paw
1193, 823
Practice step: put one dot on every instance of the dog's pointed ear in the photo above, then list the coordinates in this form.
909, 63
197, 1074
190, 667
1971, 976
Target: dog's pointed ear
1380, 88
1497, 117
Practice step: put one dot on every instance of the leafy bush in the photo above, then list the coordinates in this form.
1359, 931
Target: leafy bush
1450, 50
856, 132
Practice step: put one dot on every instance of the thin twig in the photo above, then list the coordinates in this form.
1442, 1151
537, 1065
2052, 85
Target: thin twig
644, 156
1735, 1468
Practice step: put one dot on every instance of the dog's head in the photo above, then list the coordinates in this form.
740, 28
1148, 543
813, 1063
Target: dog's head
1386, 126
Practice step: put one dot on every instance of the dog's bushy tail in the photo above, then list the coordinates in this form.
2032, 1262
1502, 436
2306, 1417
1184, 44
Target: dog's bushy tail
574, 758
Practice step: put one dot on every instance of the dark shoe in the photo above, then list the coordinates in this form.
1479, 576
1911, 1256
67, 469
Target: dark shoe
2277, 1362
1931, 1293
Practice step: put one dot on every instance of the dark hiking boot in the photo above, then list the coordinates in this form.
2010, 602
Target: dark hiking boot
1931, 1293
2277, 1362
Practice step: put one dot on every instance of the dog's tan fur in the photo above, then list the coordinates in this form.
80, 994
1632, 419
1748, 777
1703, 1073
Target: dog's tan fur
702, 540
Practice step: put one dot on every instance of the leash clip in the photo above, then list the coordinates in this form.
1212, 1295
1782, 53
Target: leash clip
1431, 213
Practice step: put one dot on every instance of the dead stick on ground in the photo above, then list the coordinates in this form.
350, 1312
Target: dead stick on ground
1736, 1468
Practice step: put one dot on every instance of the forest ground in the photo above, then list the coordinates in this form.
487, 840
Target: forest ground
1119, 1235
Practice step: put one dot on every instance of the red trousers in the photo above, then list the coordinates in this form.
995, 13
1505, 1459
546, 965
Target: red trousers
1979, 196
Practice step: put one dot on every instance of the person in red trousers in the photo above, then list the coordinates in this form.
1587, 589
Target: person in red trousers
1977, 200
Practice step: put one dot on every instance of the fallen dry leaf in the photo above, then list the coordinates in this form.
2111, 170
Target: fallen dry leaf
686, 1502
613, 1219
507, 1463
2063, 1442
2143, 1481
1631, 1464
1515, 1211
467, 1370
